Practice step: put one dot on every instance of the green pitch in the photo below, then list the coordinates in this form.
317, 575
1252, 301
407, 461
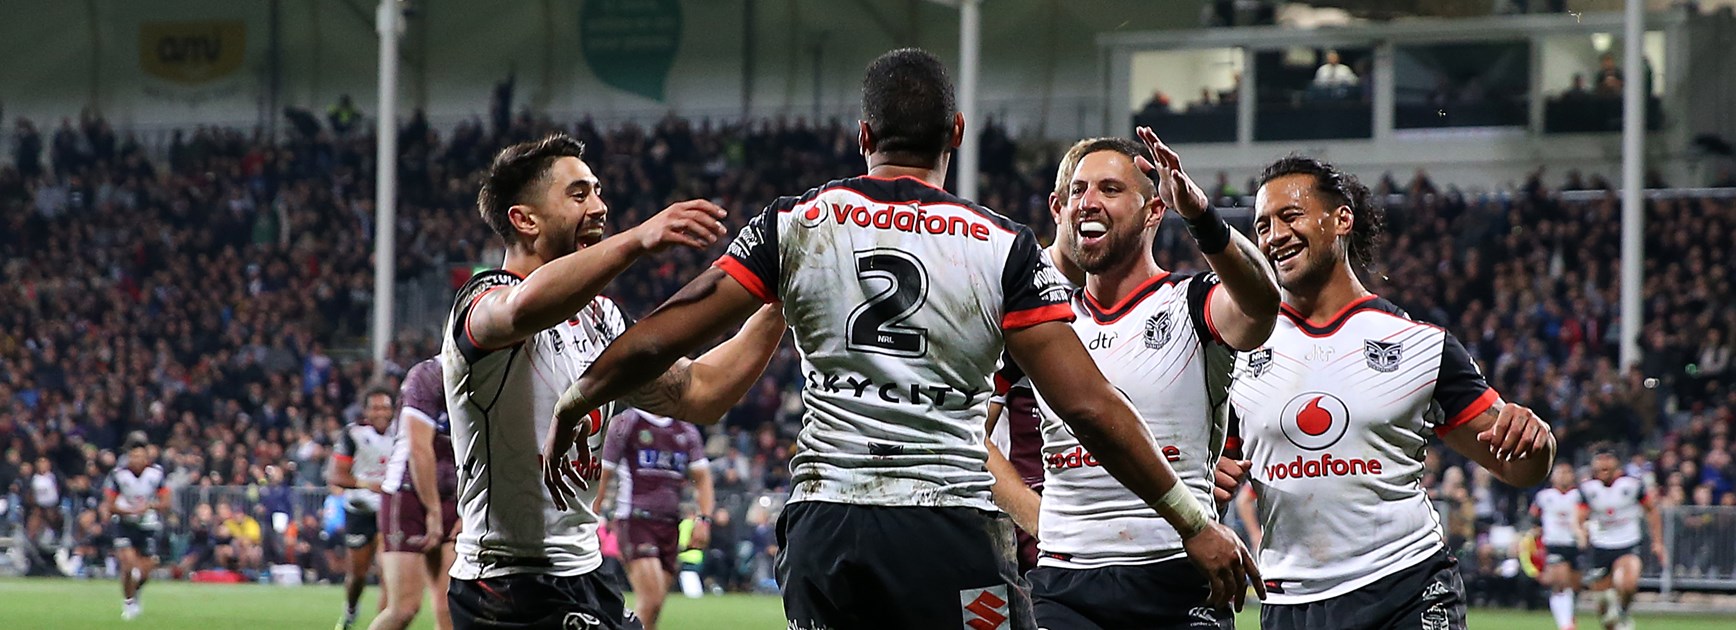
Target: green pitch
72, 604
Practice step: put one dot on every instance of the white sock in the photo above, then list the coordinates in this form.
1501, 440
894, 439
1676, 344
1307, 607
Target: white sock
349, 613
1561, 607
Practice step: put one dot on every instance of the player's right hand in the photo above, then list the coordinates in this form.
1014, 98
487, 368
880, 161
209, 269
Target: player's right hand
1229, 477
1227, 565
695, 223
436, 530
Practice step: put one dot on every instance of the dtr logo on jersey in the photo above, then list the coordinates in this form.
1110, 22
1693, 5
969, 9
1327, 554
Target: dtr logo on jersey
1315, 420
984, 608
1382, 356
1157, 330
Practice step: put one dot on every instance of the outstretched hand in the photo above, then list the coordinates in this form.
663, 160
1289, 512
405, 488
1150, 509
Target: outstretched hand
1174, 188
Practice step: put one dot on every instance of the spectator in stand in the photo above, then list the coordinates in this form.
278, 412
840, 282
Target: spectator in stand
343, 115
1333, 74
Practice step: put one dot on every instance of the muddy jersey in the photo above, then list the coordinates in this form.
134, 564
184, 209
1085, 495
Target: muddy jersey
422, 400
132, 491
898, 294
1613, 511
1336, 420
1557, 513
1159, 347
369, 451
651, 455
501, 401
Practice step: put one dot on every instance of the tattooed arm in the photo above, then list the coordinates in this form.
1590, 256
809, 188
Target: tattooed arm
702, 390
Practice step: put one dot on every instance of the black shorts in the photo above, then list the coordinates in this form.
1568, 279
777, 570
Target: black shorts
1557, 554
1602, 561
131, 536
530, 601
1430, 595
858, 567
1170, 594
360, 528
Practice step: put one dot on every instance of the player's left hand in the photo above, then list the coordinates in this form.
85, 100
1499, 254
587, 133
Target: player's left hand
1516, 434
1230, 474
558, 470
1174, 188
1662, 553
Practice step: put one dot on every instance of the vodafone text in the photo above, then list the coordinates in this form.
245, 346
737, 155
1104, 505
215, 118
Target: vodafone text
1078, 457
1323, 466
908, 220
910, 393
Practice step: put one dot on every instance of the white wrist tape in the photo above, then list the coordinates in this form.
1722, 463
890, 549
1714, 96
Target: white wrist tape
1194, 518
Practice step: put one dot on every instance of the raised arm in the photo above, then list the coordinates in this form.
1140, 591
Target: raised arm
1106, 424
555, 291
711, 304
1243, 313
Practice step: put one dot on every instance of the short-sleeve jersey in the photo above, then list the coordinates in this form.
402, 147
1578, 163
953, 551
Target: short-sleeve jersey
422, 399
1019, 432
651, 455
1614, 511
132, 491
1159, 347
1557, 513
1336, 420
369, 452
500, 401
898, 294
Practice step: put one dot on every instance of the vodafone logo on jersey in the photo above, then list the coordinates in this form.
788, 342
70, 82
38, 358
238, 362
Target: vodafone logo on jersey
912, 219
1315, 420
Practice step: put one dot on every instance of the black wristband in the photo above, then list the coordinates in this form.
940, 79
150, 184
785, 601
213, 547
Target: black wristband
1210, 231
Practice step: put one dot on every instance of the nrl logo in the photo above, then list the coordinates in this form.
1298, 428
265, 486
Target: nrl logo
1258, 361
1382, 356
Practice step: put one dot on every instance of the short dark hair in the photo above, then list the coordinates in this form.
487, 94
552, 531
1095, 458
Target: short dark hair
516, 169
1123, 146
137, 439
1340, 189
379, 390
908, 103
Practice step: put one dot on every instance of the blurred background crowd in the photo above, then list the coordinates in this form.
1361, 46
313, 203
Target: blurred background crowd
215, 294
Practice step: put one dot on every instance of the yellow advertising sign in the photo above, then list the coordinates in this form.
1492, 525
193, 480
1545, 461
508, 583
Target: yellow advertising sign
192, 52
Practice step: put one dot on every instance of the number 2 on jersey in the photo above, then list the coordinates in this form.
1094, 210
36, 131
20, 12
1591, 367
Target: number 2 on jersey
877, 325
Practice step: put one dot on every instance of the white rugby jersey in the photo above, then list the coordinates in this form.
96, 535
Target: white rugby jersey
369, 452
1614, 511
135, 490
1159, 347
898, 293
1557, 513
500, 402
1336, 420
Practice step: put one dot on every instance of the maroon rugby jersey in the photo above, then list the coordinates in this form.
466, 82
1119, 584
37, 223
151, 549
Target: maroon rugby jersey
651, 455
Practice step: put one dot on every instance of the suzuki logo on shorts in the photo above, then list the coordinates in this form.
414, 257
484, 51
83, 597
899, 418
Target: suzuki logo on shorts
1315, 420
984, 608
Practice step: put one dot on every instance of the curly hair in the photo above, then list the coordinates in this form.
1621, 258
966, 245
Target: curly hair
1340, 189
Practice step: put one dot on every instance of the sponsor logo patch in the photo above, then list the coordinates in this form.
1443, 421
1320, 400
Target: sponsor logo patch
984, 608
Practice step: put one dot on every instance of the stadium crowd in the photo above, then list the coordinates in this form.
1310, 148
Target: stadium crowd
202, 293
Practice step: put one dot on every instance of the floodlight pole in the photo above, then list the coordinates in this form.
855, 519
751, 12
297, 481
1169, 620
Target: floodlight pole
390, 26
969, 62
1633, 135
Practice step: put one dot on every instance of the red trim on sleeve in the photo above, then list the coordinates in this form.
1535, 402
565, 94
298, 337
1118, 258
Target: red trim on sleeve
164, 491
343, 458
1033, 316
1002, 385
1210, 325
730, 265
1645, 498
467, 310
1478, 406
110, 493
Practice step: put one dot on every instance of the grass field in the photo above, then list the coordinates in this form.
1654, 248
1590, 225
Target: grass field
70, 604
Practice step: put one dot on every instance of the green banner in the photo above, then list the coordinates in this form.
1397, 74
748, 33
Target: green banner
631, 44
